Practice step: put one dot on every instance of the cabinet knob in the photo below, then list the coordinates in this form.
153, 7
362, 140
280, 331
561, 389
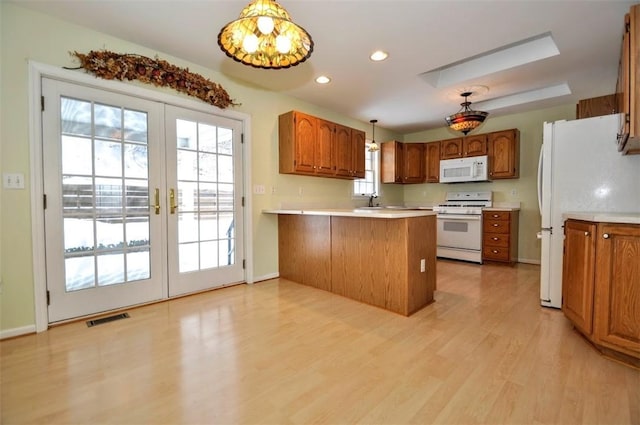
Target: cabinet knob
495, 225
586, 233
495, 239
495, 251
606, 236
496, 216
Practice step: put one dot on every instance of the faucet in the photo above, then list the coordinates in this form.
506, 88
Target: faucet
373, 195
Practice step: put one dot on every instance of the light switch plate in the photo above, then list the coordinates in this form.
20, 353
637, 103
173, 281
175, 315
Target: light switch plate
13, 180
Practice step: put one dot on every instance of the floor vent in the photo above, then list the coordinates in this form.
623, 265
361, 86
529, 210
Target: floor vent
107, 319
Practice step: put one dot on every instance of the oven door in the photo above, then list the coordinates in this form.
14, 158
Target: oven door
460, 231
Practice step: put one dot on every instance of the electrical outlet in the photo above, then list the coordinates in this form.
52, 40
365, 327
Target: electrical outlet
13, 180
300, 191
423, 265
273, 190
514, 192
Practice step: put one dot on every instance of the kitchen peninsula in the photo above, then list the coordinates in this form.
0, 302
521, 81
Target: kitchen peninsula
382, 257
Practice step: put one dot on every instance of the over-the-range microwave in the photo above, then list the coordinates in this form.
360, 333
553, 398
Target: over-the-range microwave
459, 170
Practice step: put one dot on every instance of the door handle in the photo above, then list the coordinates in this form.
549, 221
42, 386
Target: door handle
172, 201
156, 206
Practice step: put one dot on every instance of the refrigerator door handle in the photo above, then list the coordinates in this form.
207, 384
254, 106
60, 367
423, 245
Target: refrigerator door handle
540, 179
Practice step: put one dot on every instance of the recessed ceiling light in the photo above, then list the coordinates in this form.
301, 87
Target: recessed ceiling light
378, 56
525, 97
500, 59
323, 79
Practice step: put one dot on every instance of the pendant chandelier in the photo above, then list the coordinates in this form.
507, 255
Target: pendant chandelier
466, 119
373, 146
265, 37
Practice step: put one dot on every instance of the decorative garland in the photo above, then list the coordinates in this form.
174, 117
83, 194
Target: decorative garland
110, 65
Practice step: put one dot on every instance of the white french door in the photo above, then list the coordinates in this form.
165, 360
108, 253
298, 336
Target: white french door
204, 182
143, 200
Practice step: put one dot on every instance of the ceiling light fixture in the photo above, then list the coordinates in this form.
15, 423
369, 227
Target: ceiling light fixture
265, 37
373, 146
323, 79
378, 56
466, 119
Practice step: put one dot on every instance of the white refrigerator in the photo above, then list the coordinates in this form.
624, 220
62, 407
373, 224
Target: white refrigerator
580, 170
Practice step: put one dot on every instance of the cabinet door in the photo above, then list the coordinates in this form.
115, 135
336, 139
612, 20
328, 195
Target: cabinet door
413, 164
617, 293
324, 146
504, 154
358, 153
451, 148
305, 142
391, 162
578, 274
343, 152
432, 162
475, 145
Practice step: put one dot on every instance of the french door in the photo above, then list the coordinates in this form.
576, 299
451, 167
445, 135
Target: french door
142, 200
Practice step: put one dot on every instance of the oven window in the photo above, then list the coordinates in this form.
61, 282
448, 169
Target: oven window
455, 226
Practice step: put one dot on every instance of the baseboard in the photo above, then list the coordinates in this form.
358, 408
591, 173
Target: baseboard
528, 261
266, 277
11, 333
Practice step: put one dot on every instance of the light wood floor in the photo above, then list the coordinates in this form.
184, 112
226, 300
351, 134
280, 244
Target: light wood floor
281, 353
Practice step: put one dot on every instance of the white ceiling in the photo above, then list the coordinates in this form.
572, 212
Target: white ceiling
419, 35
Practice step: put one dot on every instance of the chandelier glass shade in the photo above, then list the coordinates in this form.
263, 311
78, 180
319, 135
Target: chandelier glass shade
466, 119
265, 37
373, 146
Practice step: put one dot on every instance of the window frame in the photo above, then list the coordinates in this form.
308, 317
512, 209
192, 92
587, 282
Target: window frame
375, 162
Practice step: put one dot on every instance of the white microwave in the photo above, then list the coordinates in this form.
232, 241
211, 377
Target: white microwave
459, 170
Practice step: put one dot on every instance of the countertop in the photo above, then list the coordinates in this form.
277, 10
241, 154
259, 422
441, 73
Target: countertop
604, 217
356, 212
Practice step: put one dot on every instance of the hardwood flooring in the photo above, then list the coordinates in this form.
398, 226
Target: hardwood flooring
282, 353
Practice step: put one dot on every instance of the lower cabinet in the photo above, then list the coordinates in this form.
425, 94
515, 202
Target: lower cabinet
500, 236
601, 285
388, 263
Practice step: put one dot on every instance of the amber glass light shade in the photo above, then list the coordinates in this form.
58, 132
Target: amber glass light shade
265, 37
466, 119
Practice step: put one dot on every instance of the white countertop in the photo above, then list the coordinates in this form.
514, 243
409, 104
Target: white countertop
501, 209
355, 212
604, 217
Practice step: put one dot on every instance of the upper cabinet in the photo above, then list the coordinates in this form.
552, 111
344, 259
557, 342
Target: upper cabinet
475, 145
313, 146
504, 154
402, 162
451, 148
432, 162
628, 84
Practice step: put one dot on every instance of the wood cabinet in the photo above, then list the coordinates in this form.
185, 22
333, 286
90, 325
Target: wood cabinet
348, 151
578, 273
628, 84
451, 148
402, 162
602, 275
500, 236
372, 260
475, 145
504, 154
432, 162
596, 106
313, 146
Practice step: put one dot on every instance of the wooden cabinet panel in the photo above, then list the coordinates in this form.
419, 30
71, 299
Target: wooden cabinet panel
413, 166
617, 288
475, 145
451, 148
343, 151
402, 162
316, 147
304, 250
504, 154
578, 273
500, 236
432, 172
628, 84
358, 144
597, 106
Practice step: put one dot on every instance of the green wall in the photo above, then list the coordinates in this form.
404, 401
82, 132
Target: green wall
28, 35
